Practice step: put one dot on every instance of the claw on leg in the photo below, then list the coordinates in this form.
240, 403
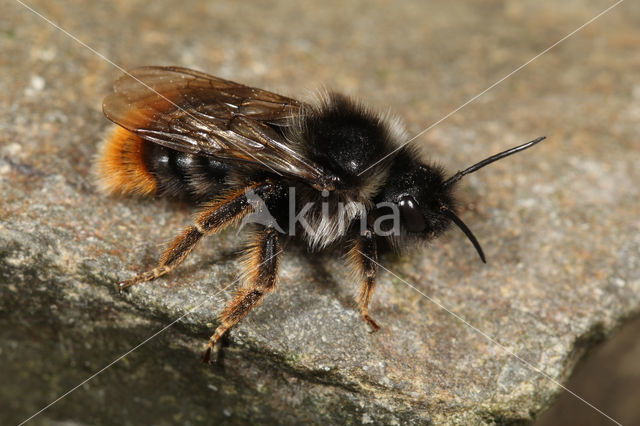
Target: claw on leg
213, 346
374, 325
206, 355
145, 276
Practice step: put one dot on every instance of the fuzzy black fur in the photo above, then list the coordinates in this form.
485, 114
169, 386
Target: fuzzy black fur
345, 138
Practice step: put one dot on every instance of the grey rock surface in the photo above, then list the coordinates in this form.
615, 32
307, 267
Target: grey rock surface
559, 224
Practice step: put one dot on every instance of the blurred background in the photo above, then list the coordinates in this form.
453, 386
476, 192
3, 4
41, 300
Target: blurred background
419, 59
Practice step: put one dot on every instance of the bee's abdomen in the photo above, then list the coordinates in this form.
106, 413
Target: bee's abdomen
121, 166
183, 175
129, 164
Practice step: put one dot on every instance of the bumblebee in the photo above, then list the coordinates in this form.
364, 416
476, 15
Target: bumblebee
332, 173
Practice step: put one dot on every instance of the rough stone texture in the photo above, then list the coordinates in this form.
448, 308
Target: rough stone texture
559, 223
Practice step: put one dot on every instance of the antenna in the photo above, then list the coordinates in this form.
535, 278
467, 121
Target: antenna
487, 161
451, 215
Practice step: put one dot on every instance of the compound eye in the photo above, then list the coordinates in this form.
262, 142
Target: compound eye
412, 217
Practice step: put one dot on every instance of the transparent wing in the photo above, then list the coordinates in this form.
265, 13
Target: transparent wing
200, 114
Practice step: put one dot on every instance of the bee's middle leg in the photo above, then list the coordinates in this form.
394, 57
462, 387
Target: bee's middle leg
262, 259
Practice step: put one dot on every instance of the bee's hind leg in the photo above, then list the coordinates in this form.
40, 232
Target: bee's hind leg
364, 257
261, 263
172, 257
217, 216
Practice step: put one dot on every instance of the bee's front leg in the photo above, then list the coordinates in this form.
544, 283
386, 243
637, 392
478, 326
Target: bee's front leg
363, 256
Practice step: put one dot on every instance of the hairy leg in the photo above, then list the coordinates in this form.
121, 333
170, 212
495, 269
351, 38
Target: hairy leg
218, 215
363, 257
261, 262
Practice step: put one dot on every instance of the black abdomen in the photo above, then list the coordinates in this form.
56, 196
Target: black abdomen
186, 176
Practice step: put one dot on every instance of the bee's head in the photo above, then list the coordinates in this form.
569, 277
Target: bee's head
416, 202
419, 199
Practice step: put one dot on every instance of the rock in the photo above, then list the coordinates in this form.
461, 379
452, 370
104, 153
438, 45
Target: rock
559, 223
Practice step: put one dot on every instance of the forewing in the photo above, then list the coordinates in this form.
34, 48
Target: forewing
200, 114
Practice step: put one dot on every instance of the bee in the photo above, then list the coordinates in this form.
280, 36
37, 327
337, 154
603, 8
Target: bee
331, 173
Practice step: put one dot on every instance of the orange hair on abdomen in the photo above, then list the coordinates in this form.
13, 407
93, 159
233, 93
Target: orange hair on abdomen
121, 165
